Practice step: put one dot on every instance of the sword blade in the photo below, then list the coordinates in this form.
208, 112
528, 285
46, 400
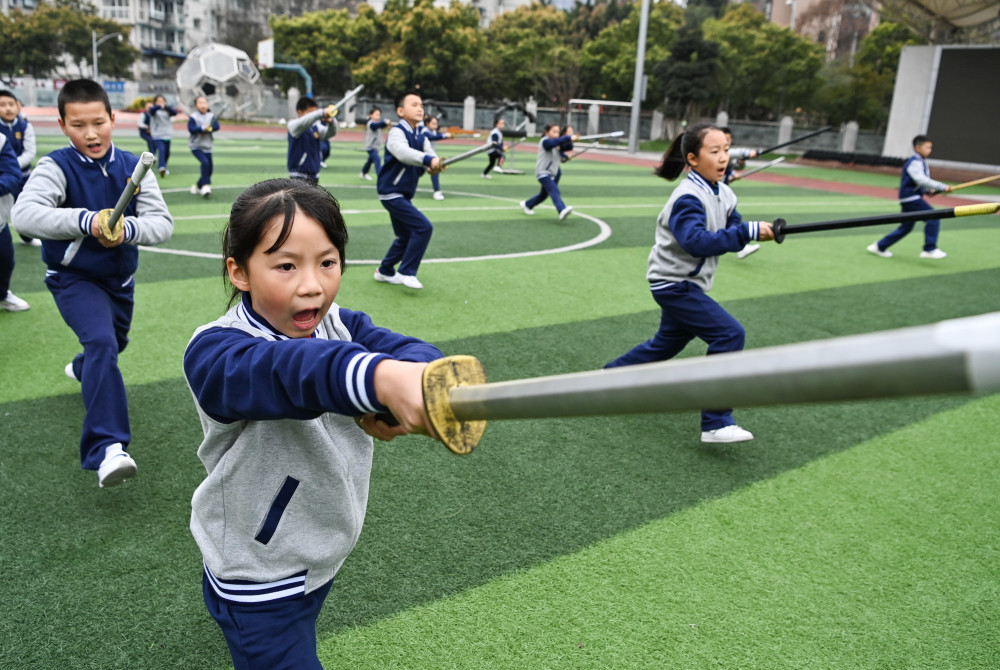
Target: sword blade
957, 356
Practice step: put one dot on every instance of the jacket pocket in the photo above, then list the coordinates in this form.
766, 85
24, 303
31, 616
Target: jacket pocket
277, 509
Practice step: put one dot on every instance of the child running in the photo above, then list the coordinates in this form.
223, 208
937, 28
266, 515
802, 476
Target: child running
161, 129
67, 203
21, 137
497, 152
143, 125
698, 224
373, 142
408, 153
430, 130
202, 125
914, 184
548, 171
10, 186
286, 385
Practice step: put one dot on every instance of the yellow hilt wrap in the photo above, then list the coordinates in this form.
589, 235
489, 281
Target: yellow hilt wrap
439, 378
981, 208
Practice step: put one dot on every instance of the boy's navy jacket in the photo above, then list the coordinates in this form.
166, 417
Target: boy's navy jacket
10, 180
407, 153
916, 180
19, 134
63, 195
305, 136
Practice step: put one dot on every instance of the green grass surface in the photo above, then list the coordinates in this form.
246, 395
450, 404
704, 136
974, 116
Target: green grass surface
858, 535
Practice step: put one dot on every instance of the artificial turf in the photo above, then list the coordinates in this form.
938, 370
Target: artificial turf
860, 535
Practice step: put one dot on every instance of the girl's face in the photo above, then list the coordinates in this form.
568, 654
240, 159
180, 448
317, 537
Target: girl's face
201, 104
713, 157
432, 123
552, 132
294, 286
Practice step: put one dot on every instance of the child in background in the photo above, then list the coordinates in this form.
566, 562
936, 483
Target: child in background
161, 128
202, 125
373, 141
408, 153
21, 138
698, 224
495, 154
430, 130
305, 135
143, 125
548, 171
10, 185
915, 182
68, 202
736, 156
287, 367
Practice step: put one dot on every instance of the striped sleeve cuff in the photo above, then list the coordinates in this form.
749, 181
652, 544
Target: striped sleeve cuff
360, 382
131, 228
754, 227
86, 220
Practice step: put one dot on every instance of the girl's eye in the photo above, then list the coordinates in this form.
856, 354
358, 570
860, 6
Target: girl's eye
286, 267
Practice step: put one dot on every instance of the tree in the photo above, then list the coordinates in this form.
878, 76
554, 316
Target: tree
689, 74
608, 62
321, 42
764, 69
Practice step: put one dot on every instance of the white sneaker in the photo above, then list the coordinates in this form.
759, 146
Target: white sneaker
486, 176
498, 170
438, 195
566, 212
726, 434
410, 281
206, 191
12, 303
873, 247
33, 242
936, 254
366, 176
747, 250
194, 189
388, 279
322, 164
524, 206
116, 467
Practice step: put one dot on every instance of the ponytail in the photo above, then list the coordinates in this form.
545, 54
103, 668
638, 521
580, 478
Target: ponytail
689, 142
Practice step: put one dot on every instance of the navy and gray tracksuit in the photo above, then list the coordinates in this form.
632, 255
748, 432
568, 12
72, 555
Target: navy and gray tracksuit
21, 136
288, 468
408, 153
92, 285
434, 136
373, 144
698, 224
161, 129
496, 153
915, 181
305, 138
202, 129
143, 125
548, 172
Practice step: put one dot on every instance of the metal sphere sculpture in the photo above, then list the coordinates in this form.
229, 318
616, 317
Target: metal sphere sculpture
225, 75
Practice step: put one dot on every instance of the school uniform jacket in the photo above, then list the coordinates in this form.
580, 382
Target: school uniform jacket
496, 138
10, 179
698, 224
373, 134
160, 126
201, 137
63, 195
288, 467
916, 180
550, 155
408, 152
21, 136
305, 134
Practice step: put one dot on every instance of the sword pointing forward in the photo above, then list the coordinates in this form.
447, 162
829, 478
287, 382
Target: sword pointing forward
445, 162
600, 136
956, 356
335, 107
116, 221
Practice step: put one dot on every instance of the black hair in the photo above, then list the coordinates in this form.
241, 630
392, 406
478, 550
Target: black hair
921, 139
375, 108
565, 129
82, 90
402, 96
7, 94
548, 127
305, 103
257, 207
431, 117
689, 142
726, 130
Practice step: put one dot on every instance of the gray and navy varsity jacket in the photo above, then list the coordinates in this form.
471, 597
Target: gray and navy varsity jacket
305, 134
63, 195
21, 136
160, 125
916, 180
288, 467
550, 155
201, 137
698, 224
10, 180
373, 134
408, 152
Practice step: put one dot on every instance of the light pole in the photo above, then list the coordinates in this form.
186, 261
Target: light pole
98, 42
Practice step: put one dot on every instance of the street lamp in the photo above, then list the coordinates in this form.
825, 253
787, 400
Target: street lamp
98, 42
